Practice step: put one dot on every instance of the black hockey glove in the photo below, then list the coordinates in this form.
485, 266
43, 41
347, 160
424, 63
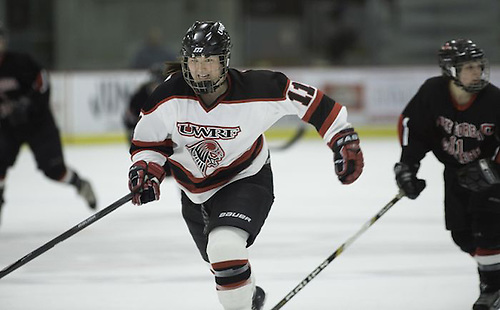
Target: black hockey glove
144, 181
479, 176
347, 156
407, 181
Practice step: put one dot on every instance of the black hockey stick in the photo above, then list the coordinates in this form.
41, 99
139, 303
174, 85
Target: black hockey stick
47, 246
339, 251
296, 137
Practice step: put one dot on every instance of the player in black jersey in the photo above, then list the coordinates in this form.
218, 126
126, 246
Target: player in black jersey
207, 121
457, 117
140, 96
25, 117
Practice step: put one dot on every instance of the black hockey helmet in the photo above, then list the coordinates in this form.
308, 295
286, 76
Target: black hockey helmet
206, 38
454, 53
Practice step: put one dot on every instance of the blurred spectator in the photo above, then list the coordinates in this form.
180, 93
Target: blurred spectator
152, 51
344, 35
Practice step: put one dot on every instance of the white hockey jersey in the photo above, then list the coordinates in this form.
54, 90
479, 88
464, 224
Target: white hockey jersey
206, 147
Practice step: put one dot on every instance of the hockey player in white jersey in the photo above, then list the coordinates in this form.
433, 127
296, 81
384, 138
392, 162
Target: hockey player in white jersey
206, 123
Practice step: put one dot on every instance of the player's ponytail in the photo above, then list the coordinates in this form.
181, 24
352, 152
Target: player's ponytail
172, 68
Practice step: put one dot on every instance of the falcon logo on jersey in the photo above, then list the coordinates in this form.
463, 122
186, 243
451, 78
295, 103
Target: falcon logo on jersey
207, 155
188, 129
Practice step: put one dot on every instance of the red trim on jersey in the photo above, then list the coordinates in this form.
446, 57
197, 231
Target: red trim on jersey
151, 146
313, 106
283, 97
330, 119
219, 99
167, 142
148, 149
252, 100
39, 83
462, 107
165, 100
193, 184
486, 252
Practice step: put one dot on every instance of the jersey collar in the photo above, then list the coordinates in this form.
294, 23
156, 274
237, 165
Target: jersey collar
221, 98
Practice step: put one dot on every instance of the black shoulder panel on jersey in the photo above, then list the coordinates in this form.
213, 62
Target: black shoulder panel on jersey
175, 86
492, 89
22, 65
436, 81
256, 85
432, 88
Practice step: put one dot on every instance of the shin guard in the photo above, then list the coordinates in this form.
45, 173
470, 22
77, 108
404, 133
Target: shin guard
489, 268
229, 261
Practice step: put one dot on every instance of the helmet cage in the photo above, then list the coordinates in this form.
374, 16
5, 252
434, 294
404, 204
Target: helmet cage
209, 86
475, 87
454, 54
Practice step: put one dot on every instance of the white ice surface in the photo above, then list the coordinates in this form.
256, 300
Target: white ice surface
144, 258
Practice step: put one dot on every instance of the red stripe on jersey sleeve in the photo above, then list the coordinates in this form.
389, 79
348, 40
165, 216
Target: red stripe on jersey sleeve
330, 119
313, 106
40, 84
164, 147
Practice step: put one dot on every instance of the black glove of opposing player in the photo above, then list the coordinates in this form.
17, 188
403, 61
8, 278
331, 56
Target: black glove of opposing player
407, 181
479, 176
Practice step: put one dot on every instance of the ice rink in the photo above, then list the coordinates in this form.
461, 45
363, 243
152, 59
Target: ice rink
144, 258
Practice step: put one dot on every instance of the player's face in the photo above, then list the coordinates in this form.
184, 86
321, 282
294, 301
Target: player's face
205, 68
471, 73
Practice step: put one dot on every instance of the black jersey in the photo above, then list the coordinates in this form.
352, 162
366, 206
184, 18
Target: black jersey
22, 77
457, 135
135, 104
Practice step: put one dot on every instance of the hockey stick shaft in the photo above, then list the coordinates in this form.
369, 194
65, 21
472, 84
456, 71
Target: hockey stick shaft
339, 251
296, 137
80, 226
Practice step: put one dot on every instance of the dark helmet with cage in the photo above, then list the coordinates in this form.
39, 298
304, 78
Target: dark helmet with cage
207, 38
454, 54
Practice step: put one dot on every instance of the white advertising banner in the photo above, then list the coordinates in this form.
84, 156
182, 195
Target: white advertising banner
93, 103
90, 103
